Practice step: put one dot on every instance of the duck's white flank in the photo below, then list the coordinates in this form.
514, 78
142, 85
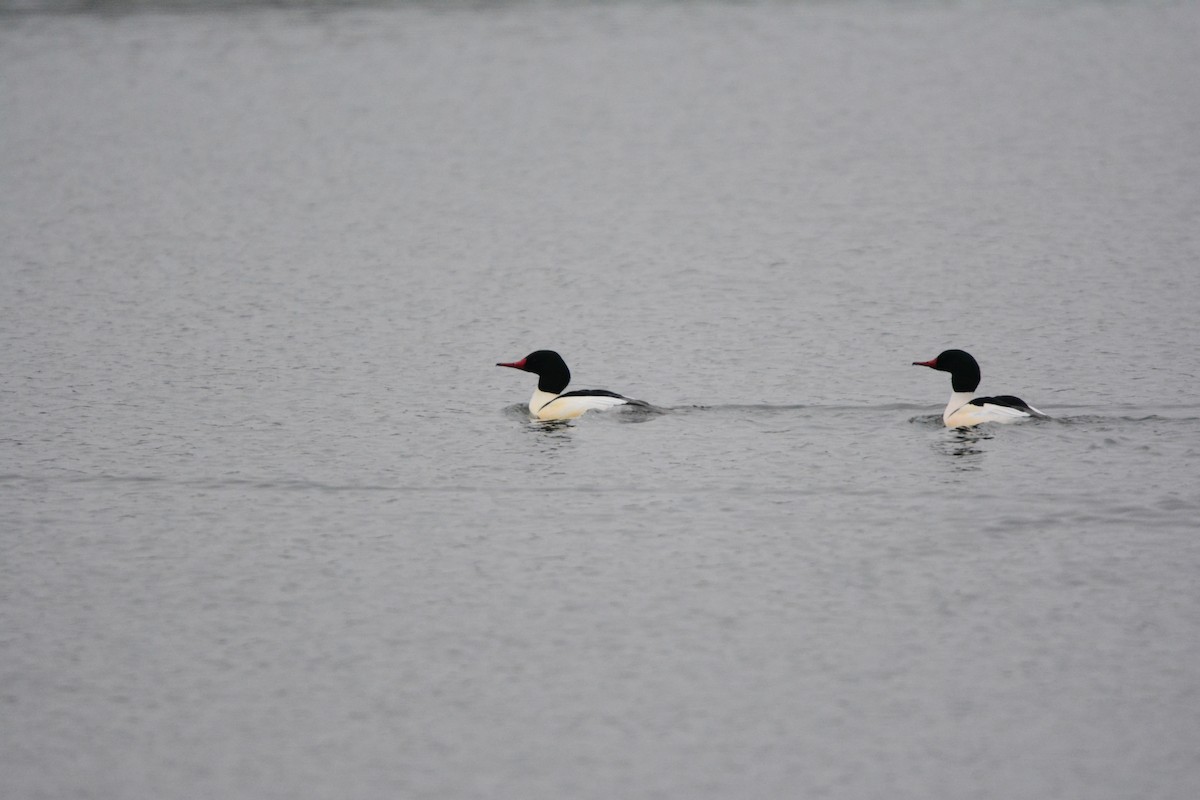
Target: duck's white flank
960, 413
550, 406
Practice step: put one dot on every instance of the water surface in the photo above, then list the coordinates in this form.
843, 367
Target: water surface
273, 525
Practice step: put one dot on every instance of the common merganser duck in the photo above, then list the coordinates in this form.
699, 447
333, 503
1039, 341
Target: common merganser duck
964, 408
549, 402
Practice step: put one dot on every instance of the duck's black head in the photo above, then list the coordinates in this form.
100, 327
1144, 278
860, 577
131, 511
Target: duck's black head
962, 366
552, 372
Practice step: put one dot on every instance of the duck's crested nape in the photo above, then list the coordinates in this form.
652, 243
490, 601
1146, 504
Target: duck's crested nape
552, 372
962, 366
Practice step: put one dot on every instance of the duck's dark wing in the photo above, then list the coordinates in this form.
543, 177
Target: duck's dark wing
1007, 401
604, 393
593, 393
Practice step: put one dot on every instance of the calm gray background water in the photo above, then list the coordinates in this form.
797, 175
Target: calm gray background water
272, 525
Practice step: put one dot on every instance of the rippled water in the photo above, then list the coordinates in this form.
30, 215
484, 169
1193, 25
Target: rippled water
273, 525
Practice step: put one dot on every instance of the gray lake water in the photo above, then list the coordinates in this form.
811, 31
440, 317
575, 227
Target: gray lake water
273, 525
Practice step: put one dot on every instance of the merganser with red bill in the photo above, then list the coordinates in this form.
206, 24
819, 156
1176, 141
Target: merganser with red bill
964, 408
550, 402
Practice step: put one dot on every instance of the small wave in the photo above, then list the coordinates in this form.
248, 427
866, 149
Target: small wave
641, 412
517, 411
287, 484
32, 7
1076, 420
636, 413
1099, 419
